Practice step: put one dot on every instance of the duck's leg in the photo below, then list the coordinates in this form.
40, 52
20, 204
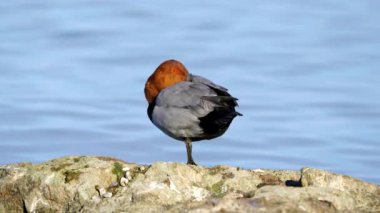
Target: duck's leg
190, 160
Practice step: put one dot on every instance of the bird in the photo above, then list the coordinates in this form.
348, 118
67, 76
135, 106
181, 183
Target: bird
188, 107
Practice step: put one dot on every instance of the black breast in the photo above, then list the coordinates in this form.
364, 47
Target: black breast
150, 109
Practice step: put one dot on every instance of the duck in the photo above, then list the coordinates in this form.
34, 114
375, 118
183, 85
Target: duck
188, 107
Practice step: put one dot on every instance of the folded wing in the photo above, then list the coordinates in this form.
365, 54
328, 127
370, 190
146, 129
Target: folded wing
197, 109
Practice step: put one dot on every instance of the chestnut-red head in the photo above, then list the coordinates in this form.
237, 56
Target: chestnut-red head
168, 73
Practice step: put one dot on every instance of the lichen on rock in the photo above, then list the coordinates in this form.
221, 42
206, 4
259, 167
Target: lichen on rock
118, 170
104, 184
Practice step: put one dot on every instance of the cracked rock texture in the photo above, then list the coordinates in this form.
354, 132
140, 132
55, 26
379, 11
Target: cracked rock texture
103, 184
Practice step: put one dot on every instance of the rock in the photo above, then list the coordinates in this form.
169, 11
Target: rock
56, 185
124, 181
103, 184
364, 194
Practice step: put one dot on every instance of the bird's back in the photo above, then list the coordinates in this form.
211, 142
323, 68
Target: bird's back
196, 109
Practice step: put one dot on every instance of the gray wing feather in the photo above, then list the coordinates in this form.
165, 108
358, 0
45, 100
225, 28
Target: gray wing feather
179, 107
185, 95
202, 80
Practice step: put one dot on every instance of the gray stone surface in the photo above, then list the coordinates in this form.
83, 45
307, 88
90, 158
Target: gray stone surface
103, 184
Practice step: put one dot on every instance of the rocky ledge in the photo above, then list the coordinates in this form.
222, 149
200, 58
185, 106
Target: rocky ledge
103, 184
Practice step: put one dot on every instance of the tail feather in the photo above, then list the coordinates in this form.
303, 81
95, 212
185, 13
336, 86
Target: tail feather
216, 122
219, 119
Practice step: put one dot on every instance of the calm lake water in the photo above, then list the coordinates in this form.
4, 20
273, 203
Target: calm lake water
307, 75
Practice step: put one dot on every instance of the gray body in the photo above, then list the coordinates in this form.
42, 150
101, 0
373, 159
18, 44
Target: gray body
179, 109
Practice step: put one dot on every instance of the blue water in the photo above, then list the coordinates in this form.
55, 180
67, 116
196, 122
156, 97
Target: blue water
307, 75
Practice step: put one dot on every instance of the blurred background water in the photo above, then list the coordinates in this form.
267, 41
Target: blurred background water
306, 73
